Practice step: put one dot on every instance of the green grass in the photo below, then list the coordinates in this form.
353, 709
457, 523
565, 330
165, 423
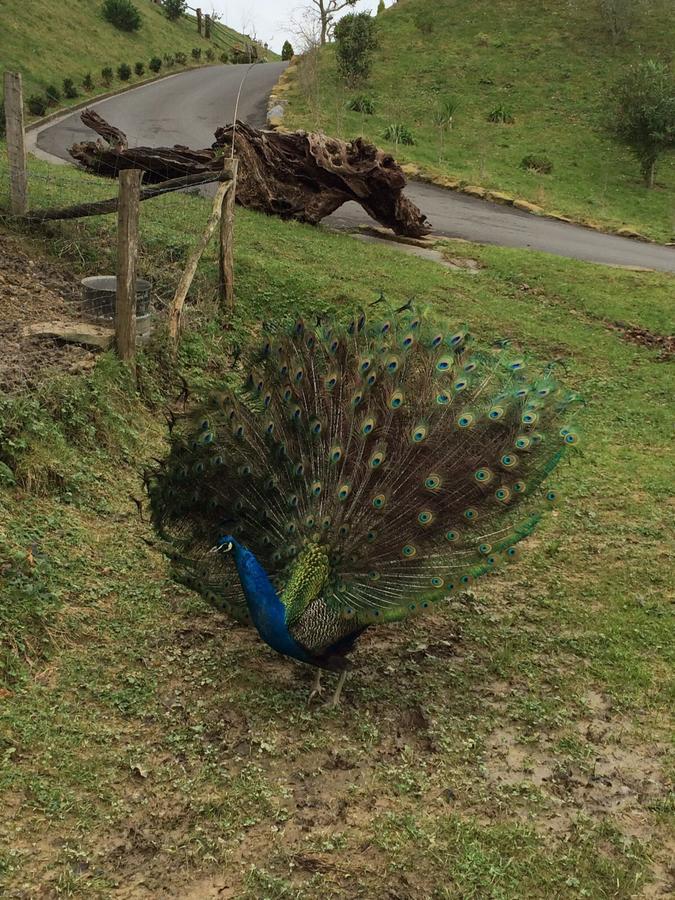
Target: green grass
145, 738
549, 65
48, 42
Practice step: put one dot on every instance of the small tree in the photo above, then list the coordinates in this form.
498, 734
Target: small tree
69, 89
37, 104
210, 55
322, 15
53, 94
139, 68
196, 53
88, 82
618, 17
381, 7
355, 41
644, 117
174, 9
122, 14
155, 64
124, 72
106, 75
287, 51
425, 20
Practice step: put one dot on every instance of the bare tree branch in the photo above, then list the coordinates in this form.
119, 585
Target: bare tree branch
326, 11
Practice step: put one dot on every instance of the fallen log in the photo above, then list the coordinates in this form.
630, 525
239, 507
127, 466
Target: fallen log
293, 175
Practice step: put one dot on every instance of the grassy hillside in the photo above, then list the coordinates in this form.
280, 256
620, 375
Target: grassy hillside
548, 64
511, 745
48, 41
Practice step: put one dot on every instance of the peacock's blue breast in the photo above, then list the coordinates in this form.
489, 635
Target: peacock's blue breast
267, 610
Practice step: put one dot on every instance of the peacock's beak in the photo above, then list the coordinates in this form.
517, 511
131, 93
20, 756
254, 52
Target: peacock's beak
225, 548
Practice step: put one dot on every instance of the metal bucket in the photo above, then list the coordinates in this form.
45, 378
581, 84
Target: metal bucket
98, 300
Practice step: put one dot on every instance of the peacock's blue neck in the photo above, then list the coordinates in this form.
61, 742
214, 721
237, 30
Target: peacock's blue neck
267, 610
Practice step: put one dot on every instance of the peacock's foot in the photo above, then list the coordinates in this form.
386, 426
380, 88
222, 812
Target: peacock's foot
317, 688
335, 699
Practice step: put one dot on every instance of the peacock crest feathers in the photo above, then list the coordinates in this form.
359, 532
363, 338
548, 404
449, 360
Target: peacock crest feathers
409, 455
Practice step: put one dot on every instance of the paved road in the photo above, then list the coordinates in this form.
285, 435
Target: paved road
186, 109
183, 109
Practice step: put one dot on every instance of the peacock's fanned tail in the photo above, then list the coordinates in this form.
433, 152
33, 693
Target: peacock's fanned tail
412, 456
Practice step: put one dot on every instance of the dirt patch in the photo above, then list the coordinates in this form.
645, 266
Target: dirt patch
665, 343
619, 780
34, 290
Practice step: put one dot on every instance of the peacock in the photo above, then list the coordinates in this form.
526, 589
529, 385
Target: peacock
357, 475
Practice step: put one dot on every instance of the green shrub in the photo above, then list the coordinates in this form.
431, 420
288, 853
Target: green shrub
287, 51
53, 94
107, 75
37, 104
196, 53
224, 57
124, 72
501, 115
399, 134
424, 21
88, 82
381, 7
644, 113
534, 163
362, 104
139, 68
169, 60
174, 9
210, 55
181, 58
69, 89
155, 64
355, 40
122, 14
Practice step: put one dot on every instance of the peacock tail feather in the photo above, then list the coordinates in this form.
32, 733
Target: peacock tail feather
383, 466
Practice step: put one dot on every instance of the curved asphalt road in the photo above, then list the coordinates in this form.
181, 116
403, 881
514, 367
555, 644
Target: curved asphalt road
186, 109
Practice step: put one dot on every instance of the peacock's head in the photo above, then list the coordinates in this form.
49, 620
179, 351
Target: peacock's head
225, 544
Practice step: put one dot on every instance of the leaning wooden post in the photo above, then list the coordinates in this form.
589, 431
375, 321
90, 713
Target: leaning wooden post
207, 26
127, 251
16, 148
226, 279
176, 306
199, 20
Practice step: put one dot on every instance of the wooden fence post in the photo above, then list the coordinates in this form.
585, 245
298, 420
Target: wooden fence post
207, 26
199, 20
16, 149
127, 251
226, 279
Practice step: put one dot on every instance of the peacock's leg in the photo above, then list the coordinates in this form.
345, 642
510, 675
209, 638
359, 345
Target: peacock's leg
335, 699
317, 689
